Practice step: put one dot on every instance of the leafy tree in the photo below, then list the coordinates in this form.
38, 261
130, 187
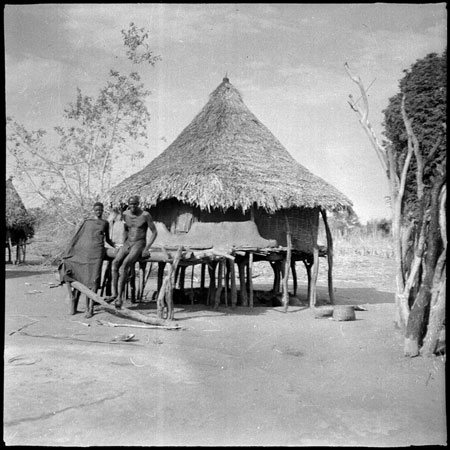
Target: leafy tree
424, 87
78, 169
414, 160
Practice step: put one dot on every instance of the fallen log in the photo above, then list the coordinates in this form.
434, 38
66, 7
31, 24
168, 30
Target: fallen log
123, 312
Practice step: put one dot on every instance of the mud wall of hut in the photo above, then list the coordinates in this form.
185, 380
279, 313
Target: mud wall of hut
175, 215
179, 217
303, 222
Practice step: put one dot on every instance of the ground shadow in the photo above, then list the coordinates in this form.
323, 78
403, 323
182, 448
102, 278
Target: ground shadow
18, 273
343, 296
359, 296
206, 310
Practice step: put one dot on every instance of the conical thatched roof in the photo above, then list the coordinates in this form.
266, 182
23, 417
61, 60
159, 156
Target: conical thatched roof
16, 215
227, 158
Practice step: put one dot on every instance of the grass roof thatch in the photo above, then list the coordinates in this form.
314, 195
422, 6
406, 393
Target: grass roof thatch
16, 215
227, 158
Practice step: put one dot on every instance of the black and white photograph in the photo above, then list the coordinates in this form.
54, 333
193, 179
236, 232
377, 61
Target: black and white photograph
225, 224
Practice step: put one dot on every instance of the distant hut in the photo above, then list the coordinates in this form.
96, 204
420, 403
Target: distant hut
19, 224
228, 183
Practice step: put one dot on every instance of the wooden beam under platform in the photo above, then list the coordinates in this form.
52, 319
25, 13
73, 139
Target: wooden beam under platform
244, 257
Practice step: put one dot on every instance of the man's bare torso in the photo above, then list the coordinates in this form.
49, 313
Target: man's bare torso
136, 225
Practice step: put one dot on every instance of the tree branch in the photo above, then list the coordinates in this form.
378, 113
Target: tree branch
364, 115
414, 144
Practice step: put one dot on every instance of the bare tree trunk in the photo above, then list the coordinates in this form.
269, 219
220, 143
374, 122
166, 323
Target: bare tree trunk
426, 240
437, 307
396, 187
416, 322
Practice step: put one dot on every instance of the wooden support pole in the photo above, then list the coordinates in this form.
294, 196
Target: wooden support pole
182, 274
294, 276
169, 291
202, 277
161, 266
212, 282
308, 276
218, 292
161, 296
18, 252
132, 282
142, 267
225, 281
146, 278
165, 296
329, 256
106, 283
233, 284
191, 291
122, 312
285, 298
272, 265
315, 273
250, 279
247, 270
227, 276
11, 250
24, 250
175, 263
279, 272
242, 283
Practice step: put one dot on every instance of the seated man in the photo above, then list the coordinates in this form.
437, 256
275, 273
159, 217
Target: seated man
135, 245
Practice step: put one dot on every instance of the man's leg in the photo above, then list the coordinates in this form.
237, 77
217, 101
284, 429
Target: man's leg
116, 264
129, 261
123, 273
74, 296
89, 307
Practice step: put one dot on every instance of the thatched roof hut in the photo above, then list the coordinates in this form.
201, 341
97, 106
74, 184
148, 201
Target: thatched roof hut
227, 167
19, 225
226, 158
16, 216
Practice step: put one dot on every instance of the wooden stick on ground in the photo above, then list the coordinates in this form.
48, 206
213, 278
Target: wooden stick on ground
123, 312
129, 325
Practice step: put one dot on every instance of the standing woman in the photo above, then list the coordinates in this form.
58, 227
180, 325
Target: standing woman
83, 259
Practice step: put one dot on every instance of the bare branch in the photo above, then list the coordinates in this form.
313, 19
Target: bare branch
401, 189
413, 144
363, 113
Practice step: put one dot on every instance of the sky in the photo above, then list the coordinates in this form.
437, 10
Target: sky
287, 60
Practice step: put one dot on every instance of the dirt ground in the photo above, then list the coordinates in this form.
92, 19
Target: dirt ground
244, 377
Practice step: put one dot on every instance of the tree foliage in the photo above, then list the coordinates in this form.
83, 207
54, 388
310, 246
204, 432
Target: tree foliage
424, 87
74, 165
138, 50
